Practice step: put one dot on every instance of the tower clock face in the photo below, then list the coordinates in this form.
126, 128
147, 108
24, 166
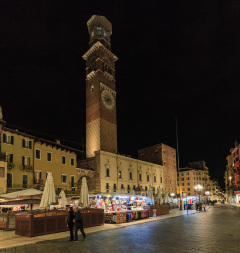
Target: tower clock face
108, 99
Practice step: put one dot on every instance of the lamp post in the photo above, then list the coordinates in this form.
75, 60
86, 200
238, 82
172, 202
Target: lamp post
198, 189
230, 179
207, 193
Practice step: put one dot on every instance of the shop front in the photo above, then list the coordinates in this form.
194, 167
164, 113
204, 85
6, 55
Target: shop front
237, 197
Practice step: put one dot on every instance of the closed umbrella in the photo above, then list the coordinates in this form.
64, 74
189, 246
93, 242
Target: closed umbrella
84, 193
166, 198
49, 194
62, 201
150, 195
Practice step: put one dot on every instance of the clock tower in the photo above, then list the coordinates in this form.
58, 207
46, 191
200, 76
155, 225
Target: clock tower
101, 118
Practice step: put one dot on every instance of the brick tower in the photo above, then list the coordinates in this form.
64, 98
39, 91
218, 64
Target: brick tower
101, 118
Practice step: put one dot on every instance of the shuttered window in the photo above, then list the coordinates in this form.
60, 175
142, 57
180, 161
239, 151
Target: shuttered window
2, 172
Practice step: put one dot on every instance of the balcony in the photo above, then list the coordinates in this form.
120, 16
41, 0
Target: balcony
10, 166
27, 168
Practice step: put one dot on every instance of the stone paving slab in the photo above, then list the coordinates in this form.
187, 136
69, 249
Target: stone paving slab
8, 239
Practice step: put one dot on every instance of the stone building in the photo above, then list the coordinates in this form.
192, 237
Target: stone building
112, 172
166, 156
195, 174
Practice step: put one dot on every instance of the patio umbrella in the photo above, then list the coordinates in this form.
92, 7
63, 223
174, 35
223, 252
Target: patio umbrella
28, 193
166, 198
84, 193
63, 200
150, 195
159, 196
132, 192
49, 194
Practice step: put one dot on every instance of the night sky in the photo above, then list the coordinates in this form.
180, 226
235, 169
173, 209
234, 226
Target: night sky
176, 58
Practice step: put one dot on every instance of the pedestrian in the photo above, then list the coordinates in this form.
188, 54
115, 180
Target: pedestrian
78, 223
204, 206
70, 222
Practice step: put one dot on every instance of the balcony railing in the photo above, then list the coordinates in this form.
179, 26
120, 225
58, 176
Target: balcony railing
27, 168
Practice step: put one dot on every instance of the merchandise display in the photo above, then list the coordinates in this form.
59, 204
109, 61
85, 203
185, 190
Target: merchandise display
120, 209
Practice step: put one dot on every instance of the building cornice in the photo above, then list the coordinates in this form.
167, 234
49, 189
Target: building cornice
96, 46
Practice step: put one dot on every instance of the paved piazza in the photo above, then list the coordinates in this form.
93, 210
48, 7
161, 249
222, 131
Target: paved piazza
217, 230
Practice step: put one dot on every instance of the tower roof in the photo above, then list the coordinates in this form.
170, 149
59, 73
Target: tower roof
96, 20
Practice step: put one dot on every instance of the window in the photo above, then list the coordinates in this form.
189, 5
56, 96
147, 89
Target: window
161, 179
107, 172
2, 172
120, 174
122, 186
26, 144
188, 189
128, 187
49, 156
9, 180
182, 174
64, 179
72, 161
155, 179
183, 189
194, 178
140, 177
189, 194
188, 178
37, 176
63, 159
9, 158
38, 154
24, 181
148, 178
182, 178
130, 175
72, 181
8, 139
134, 187
182, 184
107, 186
188, 183
25, 161
114, 186
145, 188
188, 173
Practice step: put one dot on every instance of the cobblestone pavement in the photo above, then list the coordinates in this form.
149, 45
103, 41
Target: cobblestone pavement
216, 230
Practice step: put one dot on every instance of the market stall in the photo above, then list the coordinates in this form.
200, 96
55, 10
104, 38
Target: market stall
47, 222
121, 208
157, 210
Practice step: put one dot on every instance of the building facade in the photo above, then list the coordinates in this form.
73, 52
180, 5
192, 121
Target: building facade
166, 156
232, 174
30, 158
189, 177
3, 174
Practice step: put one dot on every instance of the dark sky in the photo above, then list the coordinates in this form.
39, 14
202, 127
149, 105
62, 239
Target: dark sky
176, 58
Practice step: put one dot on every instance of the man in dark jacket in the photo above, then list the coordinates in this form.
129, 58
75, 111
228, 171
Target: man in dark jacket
70, 222
78, 223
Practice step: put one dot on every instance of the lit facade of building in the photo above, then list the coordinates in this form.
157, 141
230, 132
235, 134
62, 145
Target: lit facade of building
30, 158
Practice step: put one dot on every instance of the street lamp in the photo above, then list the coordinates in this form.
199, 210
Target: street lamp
198, 189
172, 195
230, 179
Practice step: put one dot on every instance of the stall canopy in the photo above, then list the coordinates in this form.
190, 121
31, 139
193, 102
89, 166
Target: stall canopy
49, 194
84, 198
62, 201
29, 193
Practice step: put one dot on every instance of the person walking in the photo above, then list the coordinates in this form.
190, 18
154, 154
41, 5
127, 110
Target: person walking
204, 206
78, 223
70, 222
